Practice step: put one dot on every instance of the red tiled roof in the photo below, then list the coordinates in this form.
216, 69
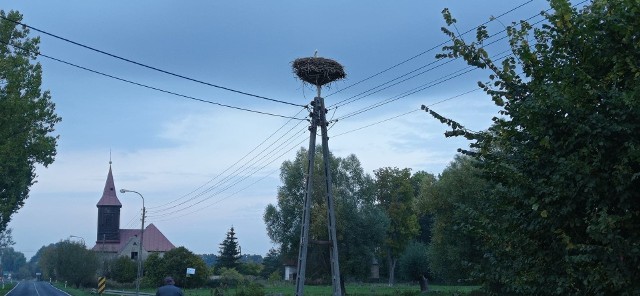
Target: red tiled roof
109, 197
153, 241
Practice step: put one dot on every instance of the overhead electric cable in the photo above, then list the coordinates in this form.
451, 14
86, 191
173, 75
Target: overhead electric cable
428, 50
147, 66
230, 177
404, 114
229, 167
387, 84
221, 190
410, 92
167, 216
151, 87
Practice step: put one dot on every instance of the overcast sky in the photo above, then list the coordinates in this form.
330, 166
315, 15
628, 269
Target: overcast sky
171, 148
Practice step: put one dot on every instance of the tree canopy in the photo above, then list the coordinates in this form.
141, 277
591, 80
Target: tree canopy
360, 224
69, 261
452, 202
563, 216
174, 263
395, 196
27, 116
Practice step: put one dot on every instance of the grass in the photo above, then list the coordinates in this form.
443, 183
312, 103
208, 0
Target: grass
286, 289
7, 287
352, 289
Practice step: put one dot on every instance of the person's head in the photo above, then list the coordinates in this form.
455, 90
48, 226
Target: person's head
169, 281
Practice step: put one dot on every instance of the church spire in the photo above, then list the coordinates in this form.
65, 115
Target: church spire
109, 197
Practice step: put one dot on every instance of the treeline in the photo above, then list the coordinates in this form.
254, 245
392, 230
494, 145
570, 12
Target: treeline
401, 223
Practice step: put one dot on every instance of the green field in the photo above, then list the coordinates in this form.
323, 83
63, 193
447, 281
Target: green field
289, 289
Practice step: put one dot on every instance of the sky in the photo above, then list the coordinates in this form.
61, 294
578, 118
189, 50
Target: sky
203, 168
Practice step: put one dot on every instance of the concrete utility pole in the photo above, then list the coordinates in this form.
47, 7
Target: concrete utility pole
318, 71
140, 244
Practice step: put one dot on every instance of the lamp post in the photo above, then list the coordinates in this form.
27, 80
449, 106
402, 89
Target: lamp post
140, 245
81, 238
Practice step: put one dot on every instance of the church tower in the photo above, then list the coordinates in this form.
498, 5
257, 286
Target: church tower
109, 213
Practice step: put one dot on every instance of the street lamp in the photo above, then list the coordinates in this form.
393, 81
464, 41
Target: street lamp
141, 237
82, 238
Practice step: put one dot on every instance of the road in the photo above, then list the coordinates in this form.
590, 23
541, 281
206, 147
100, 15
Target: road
35, 288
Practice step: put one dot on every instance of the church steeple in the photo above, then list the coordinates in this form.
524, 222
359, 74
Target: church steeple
109, 212
109, 197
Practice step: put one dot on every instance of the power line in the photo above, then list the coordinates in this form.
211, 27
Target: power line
428, 50
423, 86
441, 80
168, 215
229, 167
150, 87
405, 113
245, 167
437, 81
420, 88
147, 66
387, 84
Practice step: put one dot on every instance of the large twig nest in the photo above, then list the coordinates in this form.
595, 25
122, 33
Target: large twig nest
318, 71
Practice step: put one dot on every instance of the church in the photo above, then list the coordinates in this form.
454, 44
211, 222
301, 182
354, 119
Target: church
112, 241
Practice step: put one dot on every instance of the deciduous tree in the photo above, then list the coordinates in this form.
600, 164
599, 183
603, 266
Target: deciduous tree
175, 263
360, 224
564, 216
414, 264
394, 195
69, 261
123, 270
27, 116
12, 260
452, 201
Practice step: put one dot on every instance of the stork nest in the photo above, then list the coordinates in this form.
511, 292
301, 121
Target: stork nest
318, 71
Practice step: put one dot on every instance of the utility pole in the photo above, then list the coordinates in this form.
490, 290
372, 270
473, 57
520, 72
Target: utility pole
318, 71
141, 237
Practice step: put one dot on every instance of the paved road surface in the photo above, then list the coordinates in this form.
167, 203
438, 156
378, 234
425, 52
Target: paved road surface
35, 288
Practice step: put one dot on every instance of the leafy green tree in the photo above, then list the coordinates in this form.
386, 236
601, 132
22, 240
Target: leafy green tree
563, 216
123, 270
453, 203
174, 263
44, 260
359, 224
422, 181
210, 259
69, 261
414, 264
229, 254
27, 116
250, 268
6, 238
272, 262
154, 271
395, 196
12, 260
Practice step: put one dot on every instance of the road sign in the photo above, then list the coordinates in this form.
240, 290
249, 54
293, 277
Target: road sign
102, 284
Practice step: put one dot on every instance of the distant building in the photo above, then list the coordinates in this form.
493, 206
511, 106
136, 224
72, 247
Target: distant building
113, 241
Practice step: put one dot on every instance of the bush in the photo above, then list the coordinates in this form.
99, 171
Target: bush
414, 262
231, 277
252, 289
